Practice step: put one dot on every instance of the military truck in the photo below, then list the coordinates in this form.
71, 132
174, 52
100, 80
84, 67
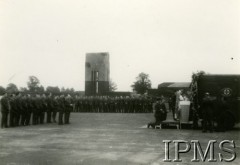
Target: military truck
219, 87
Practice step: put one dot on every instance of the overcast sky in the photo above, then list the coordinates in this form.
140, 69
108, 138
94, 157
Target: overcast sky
167, 39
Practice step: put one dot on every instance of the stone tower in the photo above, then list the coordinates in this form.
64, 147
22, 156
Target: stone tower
97, 73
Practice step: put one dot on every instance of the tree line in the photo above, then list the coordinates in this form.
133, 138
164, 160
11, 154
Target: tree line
140, 86
34, 86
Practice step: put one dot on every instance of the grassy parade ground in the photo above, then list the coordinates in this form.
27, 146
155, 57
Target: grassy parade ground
102, 138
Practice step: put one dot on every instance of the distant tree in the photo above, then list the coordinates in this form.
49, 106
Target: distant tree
53, 90
34, 84
142, 83
23, 89
2, 90
63, 90
40, 89
196, 75
194, 85
70, 91
11, 88
112, 86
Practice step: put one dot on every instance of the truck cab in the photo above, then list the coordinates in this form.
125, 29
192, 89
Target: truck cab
221, 88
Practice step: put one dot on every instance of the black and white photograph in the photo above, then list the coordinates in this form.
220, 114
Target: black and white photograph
119, 82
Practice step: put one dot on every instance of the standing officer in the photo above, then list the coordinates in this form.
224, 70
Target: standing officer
68, 109
207, 111
4, 110
61, 109
36, 109
49, 102
24, 110
29, 109
19, 109
222, 111
43, 108
13, 110
55, 108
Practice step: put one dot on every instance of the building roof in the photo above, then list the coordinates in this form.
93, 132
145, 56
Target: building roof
165, 84
180, 85
174, 85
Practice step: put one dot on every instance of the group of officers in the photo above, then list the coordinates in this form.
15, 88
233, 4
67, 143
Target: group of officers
24, 109
114, 104
21, 109
205, 111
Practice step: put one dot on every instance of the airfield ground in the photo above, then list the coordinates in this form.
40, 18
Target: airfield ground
102, 139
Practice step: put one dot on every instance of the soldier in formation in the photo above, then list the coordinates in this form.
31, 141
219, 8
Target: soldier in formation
116, 104
21, 109
25, 109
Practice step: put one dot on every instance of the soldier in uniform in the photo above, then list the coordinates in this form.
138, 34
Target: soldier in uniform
80, 102
160, 113
36, 109
222, 112
68, 109
76, 104
207, 111
49, 102
55, 108
13, 110
61, 109
43, 107
5, 110
29, 109
24, 110
19, 109
149, 105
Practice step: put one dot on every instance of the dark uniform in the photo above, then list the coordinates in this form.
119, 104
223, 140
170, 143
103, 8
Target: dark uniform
49, 101
68, 109
43, 108
13, 111
24, 110
36, 109
222, 113
55, 108
19, 109
61, 109
207, 112
29, 109
4, 110
160, 114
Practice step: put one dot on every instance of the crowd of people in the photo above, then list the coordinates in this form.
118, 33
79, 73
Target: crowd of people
115, 104
206, 111
25, 109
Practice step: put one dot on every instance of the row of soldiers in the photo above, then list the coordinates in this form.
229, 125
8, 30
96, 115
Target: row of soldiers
25, 109
117, 104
